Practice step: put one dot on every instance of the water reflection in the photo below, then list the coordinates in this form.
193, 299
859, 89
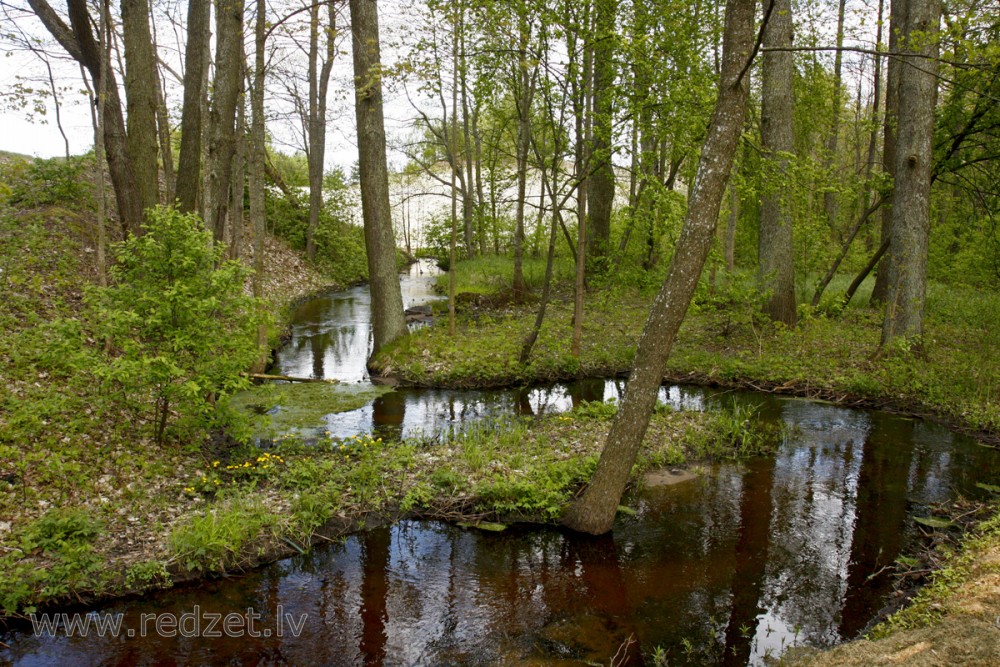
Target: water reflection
330, 335
726, 569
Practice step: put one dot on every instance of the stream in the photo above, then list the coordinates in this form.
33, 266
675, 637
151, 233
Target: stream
733, 567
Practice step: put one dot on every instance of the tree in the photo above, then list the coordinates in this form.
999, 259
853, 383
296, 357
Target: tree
319, 83
897, 25
601, 196
594, 511
909, 237
388, 322
256, 161
196, 68
775, 250
183, 330
222, 116
141, 99
78, 41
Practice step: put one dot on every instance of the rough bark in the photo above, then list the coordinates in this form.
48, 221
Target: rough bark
141, 85
388, 322
907, 270
830, 201
601, 184
897, 23
526, 89
195, 64
595, 511
235, 244
775, 252
166, 150
256, 168
222, 115
319, 84
79, 42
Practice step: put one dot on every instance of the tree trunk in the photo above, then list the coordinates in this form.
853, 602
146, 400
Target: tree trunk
257, 160
195, 66
319, 83
166, 148
830, 202
897, 23
222, 116
239, 184
594, 512
579, 78
388, 322
526, 90
532, 337
140, 99
78, 40
904, 315
601, 197
453, 152
776, 273
731, 220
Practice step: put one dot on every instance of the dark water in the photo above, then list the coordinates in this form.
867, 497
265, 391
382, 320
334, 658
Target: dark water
727, 569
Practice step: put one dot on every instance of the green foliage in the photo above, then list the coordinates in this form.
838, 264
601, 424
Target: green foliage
294, 169
181, 327
146, 575
45, 182
340, 246
542, 491
60, 529
738, 432
213, 541
596, 410
66, 537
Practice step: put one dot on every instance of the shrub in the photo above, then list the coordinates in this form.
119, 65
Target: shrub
178, 321
52, 181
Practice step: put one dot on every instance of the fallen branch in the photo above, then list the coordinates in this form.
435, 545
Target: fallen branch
287, 378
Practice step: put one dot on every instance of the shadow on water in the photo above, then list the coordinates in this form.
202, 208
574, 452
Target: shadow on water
730, 568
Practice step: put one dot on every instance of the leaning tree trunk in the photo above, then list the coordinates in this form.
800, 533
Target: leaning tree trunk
775, 251
904, 313
388, 322
595, 511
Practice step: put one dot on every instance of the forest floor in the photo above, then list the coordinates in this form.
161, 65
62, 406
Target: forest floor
91, 508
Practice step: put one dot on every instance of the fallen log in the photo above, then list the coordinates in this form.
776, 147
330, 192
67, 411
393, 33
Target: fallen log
288, 378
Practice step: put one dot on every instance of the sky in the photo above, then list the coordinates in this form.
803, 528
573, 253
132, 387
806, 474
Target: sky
40, 136
42, 139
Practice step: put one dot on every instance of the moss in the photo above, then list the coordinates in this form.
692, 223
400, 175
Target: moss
288, 408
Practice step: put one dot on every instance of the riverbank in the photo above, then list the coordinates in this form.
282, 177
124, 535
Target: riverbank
99, 513
91, 510
85, 498
955, 620
725, 342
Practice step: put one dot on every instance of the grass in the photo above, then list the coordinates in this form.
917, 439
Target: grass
489, 274
725, 341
